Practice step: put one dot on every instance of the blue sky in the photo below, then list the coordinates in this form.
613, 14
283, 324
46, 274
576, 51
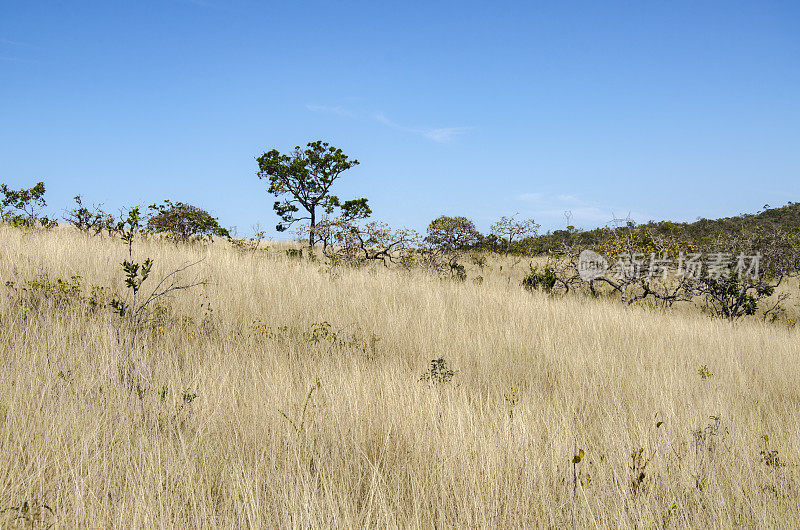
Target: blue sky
666, 110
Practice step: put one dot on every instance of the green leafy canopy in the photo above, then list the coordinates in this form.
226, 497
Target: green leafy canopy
303, 179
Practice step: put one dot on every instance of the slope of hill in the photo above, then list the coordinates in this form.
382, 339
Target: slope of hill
770, 219
287, 393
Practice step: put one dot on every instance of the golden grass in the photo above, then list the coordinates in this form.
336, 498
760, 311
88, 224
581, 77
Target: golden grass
379, 447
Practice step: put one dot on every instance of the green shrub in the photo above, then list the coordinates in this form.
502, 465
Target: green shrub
184, 223
24, 206
543, 280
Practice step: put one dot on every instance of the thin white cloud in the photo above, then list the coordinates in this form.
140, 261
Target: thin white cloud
445, 134
199, 3
17, 60
440, 135
12, 42
338, 110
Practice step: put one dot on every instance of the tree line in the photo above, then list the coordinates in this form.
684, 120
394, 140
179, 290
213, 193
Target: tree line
302, 182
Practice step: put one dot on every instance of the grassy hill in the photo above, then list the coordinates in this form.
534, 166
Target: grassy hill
701, 231
286, 393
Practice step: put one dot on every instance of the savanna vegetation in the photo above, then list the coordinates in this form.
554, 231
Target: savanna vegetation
161, 371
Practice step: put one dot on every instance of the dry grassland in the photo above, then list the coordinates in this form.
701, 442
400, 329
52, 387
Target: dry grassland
214, 433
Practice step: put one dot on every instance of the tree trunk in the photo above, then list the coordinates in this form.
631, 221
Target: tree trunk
311, 231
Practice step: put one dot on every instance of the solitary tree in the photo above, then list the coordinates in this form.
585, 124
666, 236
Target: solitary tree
304, 179
451, 234
183, 222
511, 231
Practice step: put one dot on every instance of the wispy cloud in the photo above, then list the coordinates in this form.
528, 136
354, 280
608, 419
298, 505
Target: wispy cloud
17, 60
338, 110
12, 42
200, 3
440, 135
14, 47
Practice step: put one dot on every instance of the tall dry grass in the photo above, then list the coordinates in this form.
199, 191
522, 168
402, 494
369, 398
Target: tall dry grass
206, 439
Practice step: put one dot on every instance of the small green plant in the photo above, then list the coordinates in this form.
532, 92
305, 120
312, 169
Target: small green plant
188, 396
56, 292
439, 372
706, 439
544, 280
704, 372
770, 457
457, 272
65, 376
638, 469
59, 291
298, 425
133, 308
479, 260
247, 245
577, 458
512, 400
318, 334
320, 331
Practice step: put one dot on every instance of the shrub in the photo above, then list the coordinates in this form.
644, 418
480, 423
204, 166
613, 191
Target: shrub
439, 372
183, 223
450, 234
544, 280
25, 205
733, 296
86, 220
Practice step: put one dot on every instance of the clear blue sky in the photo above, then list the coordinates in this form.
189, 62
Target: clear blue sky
667, 110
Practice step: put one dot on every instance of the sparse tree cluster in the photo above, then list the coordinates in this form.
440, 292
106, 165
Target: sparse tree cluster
645, 264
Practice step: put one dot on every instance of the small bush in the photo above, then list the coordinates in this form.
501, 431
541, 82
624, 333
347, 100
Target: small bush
439, 372
24, 206
543, 280
184, 223
90, 221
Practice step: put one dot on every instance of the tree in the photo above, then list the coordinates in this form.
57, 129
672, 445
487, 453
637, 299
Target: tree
183, 222
304, 179
89, 220
451, 234
27, 202
511, 231
447, 238
344, 239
